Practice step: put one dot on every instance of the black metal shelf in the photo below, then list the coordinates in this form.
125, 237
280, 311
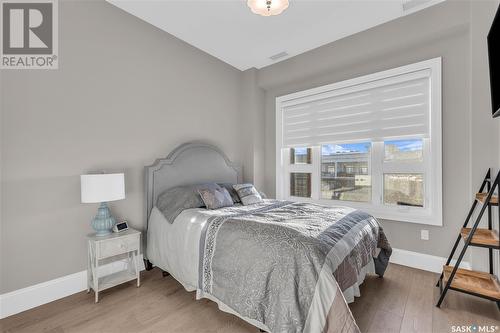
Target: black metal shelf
480, 284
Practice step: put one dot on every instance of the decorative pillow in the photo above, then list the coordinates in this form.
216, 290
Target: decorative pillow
216, 198
248, 194
174, 200
231, 190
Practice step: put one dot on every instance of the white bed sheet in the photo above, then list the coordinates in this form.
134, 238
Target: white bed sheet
174, 247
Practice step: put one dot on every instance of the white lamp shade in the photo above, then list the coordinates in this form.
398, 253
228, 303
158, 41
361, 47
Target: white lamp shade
102, 187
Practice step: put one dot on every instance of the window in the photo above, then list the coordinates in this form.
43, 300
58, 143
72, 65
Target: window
403, 150
372, 143
404, 189
300, 184
300, 155
344, 172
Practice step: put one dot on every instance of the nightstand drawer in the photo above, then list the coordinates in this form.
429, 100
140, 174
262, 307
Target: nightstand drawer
113, 247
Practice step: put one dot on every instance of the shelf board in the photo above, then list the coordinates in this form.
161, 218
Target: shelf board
482, 237
480, 283
115, 279
481, 197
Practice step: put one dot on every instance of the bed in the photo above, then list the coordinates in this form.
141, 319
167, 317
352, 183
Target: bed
281, 266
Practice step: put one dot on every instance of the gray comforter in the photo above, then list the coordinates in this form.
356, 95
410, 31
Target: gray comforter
283, 265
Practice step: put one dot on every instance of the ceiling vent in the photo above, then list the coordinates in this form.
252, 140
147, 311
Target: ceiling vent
412, 5
278, 56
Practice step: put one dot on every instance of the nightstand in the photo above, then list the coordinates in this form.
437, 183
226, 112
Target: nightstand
123, 246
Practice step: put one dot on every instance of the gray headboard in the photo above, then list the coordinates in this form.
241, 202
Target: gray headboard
189, 164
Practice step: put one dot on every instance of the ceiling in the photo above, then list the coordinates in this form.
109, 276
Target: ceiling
228, 30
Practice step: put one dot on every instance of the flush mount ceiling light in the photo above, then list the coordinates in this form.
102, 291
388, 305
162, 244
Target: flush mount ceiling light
267, 7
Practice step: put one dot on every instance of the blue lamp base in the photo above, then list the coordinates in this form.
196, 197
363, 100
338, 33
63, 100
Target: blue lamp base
103, 222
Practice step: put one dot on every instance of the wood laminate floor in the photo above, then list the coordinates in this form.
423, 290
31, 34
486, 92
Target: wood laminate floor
403, 301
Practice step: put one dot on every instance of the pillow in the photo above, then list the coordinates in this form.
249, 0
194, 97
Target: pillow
174, 200
248, 194
231, 190
216, 198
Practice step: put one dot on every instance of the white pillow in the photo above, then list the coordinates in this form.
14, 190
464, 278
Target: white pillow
248, 194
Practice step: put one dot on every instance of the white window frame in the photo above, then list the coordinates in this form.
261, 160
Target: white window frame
431, 167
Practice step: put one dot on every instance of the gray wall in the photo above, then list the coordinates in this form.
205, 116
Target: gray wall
252, 132
125, 93
484, 141
468, 130
1, 183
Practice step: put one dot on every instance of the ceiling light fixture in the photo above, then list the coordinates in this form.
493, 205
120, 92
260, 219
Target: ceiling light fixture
267, 7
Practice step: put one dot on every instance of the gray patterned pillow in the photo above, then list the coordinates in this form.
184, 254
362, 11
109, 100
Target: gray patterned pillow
216, 198
174, 200
231, 190
248, 194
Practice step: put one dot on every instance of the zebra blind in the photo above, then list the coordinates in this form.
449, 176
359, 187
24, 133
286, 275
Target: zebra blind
397, 106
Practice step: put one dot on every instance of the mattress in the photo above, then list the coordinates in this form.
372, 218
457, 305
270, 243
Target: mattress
174, 247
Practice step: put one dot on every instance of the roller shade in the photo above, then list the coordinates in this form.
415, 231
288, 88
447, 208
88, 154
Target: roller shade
397, 106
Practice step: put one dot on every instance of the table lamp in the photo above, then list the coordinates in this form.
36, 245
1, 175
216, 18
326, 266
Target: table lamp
102, 188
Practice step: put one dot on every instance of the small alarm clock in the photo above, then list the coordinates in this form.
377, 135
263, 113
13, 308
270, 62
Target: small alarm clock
120, 226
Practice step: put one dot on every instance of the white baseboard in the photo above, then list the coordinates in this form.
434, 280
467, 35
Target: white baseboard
422, 261
27, 298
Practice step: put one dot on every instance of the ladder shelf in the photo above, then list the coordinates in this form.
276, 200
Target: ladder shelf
482, 237
482, 196
472, 282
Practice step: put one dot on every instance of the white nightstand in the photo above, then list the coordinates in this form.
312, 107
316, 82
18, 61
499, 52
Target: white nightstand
124, 244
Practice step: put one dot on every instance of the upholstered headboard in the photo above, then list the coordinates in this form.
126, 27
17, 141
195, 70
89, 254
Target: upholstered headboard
189, 164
